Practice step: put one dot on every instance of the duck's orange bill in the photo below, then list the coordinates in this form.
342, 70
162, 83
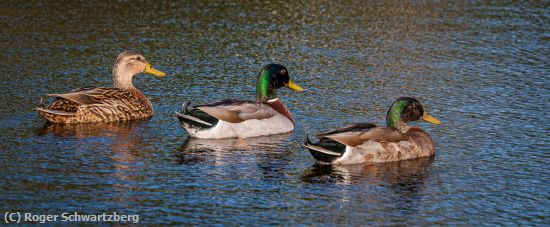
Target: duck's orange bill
149, 69
294, 86
430, 118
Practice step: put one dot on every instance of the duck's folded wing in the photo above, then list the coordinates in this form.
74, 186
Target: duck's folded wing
356, 134
93, 95
235, 111
86, 88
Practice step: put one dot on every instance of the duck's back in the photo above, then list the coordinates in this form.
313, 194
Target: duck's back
418, 144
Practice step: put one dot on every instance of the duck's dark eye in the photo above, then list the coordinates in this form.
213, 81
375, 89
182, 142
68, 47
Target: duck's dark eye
138, 58
283, 72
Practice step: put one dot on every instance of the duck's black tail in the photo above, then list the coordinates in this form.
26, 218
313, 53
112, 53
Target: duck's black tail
326, 150
194, 118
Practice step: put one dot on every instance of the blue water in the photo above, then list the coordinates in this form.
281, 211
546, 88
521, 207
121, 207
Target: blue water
482, 68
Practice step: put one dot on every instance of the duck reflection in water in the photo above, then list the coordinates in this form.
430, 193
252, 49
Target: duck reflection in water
124, 139
117, 149
380, 187
257, 159
86, 130
400, 184
407, 175
220, 151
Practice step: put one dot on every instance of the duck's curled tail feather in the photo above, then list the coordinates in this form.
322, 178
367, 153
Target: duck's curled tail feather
325, 150
194, 119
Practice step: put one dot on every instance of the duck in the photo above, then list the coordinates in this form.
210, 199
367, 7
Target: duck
364, 143
122, 102
231, 118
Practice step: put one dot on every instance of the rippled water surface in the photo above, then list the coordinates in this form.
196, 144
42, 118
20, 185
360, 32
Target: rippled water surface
482, 68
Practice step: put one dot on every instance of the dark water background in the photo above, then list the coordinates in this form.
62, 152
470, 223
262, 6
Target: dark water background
482, 68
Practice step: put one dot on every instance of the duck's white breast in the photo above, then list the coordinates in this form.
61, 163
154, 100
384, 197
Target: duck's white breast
249, 128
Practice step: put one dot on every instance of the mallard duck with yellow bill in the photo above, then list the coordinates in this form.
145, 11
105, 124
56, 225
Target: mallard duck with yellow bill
368, 143
242, 119
103, 104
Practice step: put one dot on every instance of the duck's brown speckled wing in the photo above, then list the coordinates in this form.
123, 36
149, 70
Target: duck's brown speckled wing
66, 105
93, 95
86, 88
356, 134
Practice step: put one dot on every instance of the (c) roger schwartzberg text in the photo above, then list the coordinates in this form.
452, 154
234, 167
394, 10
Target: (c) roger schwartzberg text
22, 217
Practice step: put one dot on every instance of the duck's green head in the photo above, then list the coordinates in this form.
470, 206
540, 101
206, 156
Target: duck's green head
271, 78
406, 109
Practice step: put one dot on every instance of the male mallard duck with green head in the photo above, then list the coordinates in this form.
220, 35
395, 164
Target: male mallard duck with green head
101, 104
367, 143
234, 118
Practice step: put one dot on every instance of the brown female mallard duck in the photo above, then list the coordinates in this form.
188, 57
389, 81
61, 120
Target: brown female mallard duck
367, 143
101, 104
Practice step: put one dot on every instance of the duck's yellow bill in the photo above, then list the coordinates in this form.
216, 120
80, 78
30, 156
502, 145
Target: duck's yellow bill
149, 69
430, 118
294, 86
